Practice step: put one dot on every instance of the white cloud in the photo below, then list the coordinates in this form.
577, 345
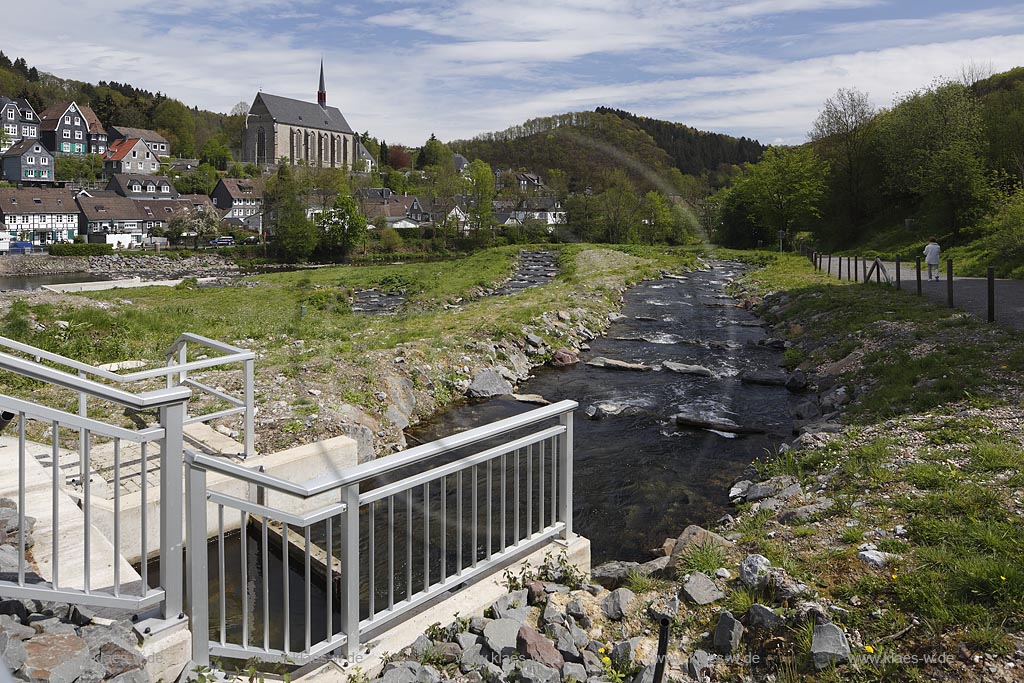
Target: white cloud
404, 69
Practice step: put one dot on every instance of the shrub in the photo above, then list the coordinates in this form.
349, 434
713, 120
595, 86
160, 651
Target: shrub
81, 249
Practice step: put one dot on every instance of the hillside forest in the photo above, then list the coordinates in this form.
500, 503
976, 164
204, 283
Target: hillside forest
946, 160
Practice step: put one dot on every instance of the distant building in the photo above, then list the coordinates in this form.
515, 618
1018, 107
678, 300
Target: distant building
110, 218
28, 162
363, 155
547, 210
461, 162
19, 120
67, 128
142, 186
41, 215
238, 197
157, 143
130, 156
303, 132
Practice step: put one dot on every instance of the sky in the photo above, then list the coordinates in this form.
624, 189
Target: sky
406, 69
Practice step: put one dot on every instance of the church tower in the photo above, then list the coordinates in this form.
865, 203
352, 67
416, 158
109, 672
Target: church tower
321, 94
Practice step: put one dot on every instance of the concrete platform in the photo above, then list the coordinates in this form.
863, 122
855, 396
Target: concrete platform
70, 527
114, 284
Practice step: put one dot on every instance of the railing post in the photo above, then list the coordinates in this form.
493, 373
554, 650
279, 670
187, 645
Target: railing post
350, 571
565, 482
250, 408
83, 410
172, 418
198, 570
991, 294
898, 279
949, 282
917, 266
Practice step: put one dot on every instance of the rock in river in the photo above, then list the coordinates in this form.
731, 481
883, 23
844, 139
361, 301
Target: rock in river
684, 369
719, 424
612, 364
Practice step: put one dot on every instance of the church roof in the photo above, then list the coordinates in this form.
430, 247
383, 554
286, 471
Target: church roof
305, 114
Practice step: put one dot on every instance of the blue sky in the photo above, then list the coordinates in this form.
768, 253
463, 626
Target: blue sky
404, 69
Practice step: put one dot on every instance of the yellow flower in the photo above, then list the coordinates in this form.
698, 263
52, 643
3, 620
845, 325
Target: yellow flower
600, 650
894, 577
869, 649
606, 660
1003, 578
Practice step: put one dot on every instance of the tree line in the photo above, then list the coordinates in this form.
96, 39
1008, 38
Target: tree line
945, 159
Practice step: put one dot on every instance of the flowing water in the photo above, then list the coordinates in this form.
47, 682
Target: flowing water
639, 478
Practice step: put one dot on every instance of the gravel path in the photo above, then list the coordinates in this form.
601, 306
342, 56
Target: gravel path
969, 293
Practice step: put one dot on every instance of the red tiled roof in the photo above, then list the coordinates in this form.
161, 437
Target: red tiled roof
119, 149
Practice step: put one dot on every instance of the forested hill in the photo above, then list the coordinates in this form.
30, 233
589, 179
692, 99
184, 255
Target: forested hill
585, 146
120, 104
694, 151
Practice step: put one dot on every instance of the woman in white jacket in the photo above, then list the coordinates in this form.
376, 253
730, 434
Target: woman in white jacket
931, 257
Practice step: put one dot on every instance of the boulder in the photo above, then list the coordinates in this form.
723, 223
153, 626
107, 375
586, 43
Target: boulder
534, 672
574, 671
565, 642
805, 512
718, 424
698, 664
617, 603
552, 614
564, 357
761, 617
612, 574
797, 381
55, 657
410, 672
701, 590
754, 571
829, 646
728, 633
876, 558
772, 379
487, 384
535, 399
612, 364
684, 369
118, 659
514, 605
533, 645
501, 636
624, 653
479, 658
739, 490
645, 675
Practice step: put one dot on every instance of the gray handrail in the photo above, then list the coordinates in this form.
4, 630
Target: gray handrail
380, 466
236, 355
141, 401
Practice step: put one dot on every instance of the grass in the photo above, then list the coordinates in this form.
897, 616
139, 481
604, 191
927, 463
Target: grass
703, 557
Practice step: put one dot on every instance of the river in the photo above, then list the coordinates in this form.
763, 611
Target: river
31, 282
639, 478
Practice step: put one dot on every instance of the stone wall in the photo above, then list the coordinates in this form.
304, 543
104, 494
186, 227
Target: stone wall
26, 264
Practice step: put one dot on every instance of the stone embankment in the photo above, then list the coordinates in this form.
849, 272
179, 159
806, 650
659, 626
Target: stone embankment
153, 267
31, 264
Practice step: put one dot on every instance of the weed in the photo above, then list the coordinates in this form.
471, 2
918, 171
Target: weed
705, 557
638, 582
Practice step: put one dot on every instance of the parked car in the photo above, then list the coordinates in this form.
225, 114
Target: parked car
222, 241
251, 239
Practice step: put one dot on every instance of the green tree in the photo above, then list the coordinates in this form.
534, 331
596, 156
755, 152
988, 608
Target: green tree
200, 180
199, 226
659, 221
341, 228
216, 153
78, 168
326, 185
926, 143
481, 181
786, 188
841, 135
434, 153
174, 120
284, 199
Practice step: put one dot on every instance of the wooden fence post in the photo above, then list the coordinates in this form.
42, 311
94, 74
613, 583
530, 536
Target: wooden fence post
991, 294
918, 264
949, 281
898, 272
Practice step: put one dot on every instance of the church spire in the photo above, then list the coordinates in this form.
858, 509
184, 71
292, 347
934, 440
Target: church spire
321, 94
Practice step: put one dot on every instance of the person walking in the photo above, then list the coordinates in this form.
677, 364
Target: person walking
931, 257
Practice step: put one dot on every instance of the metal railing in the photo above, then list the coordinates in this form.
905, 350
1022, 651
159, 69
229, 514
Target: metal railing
76, 563
177, 373
383, 538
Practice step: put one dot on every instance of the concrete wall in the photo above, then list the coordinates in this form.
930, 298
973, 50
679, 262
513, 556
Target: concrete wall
42, 265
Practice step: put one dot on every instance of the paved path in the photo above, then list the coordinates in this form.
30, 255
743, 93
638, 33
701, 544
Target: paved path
969, 293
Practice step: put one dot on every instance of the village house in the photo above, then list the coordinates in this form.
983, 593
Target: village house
130, 156
110, 218
28, 162
546, 210
238, 197
19, 120
307, 133
67, 128
157, 143
142, 186
41, 215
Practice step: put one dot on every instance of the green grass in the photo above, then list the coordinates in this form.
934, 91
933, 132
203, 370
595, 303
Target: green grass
701, 557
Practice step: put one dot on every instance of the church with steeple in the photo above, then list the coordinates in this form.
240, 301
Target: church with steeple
283, 130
